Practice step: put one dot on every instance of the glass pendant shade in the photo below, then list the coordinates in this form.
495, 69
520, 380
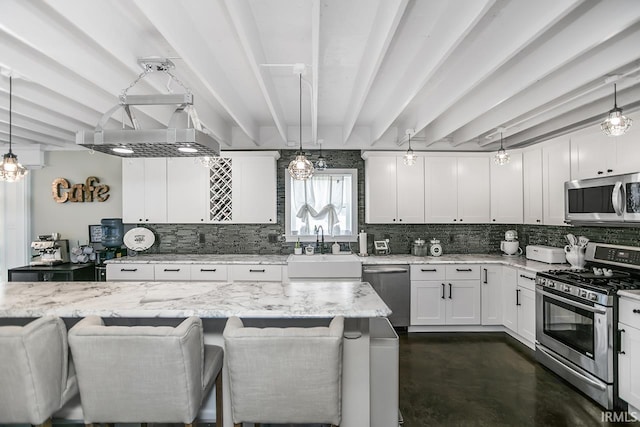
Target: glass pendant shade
501, 157
301, 168
321, 163
409, 158
10, 169
615, 124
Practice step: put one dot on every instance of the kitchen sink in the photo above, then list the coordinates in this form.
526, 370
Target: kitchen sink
324, 266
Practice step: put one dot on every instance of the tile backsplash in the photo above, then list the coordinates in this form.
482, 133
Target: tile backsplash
455, 238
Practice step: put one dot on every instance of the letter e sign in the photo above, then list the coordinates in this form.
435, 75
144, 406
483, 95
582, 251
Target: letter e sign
88, 192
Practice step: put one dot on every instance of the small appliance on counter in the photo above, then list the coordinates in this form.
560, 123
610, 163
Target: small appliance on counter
419, 248
51, 250
510, 245
548, 254
381, 247
435, 249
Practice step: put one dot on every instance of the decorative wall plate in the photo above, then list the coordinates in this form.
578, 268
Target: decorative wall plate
139, 239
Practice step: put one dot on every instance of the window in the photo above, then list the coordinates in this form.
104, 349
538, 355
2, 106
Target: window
329, 200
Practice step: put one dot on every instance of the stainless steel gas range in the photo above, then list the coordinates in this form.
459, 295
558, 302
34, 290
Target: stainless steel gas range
577, 315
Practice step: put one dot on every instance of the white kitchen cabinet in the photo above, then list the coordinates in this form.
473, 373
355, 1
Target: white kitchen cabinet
208, 272
519, 304
507, 191
556, 170
394, 192
532, 186
594, 154
453, 300
491, 294
187, 190
254, 193
629, 352
255, 273
144, 190
172, 272
457, 189
130, 272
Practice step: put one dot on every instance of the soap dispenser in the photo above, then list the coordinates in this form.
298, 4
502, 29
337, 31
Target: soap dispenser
335, 248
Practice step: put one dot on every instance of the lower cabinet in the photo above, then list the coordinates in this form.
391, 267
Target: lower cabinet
491, 294
166, 272
452, 300
629, 352
519, 304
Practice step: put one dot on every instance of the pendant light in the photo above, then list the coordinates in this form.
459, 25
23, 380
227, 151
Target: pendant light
615, 124
300, 167
410, 157
321, 163
501, 157
10, 169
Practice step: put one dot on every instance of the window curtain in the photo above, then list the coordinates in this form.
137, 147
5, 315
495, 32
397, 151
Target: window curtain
319, 199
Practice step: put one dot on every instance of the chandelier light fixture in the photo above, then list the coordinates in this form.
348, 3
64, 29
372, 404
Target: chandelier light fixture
321, 163
410, 157
501, 157
10, 169
615, 124
300, 167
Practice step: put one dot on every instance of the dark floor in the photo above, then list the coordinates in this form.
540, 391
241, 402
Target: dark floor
484, 379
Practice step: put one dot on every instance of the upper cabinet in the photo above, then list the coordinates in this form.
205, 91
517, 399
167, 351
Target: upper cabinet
506, 191
556, 170
239, 188
594, 154
532, 186
457, 189
144, 190
394, 192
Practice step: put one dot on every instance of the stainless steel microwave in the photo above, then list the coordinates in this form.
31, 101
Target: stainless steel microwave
612, 200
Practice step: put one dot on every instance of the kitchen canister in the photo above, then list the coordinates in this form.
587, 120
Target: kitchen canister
419, 248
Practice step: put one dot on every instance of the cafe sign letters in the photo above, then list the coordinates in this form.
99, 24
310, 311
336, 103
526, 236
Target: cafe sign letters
90, 191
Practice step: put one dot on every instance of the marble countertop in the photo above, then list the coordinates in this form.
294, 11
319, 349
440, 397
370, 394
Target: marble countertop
519, 262
630, 294
183, 299
201, 259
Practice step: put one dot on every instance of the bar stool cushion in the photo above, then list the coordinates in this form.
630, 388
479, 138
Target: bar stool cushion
36, 374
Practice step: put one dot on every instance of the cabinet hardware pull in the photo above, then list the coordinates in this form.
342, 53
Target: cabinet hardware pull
442, 290
129, 269
527, 277
208, 269
450, 290
172, 269
486, 276
463, 269
620, 350
609, 170
251, 270
635, 310
518, 297
428, 269
600, 172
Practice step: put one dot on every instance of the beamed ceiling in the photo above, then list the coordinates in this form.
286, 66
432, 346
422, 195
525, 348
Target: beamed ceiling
453, 70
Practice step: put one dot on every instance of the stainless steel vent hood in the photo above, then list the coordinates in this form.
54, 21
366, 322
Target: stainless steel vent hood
183, 137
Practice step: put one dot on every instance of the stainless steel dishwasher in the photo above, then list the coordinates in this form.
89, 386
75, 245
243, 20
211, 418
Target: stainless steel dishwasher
393, 285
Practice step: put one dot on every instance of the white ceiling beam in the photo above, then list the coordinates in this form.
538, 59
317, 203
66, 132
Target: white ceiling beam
186, 39
553, 41
36, 125
20, 140
383, 30
23, 132
245, 26
315, 65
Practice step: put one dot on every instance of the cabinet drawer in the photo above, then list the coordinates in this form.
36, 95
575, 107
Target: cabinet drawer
135, 272
427, 272
527, 279
207, 272
463, 272
627, 315
260, 273
171, 272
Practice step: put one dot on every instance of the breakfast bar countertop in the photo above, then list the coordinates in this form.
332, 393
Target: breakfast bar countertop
184, 299
201, 259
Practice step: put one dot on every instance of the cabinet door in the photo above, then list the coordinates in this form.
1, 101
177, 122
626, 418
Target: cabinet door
506, 191
628, 367
592, 155
532, 186
509, 307
410, 191
427, 303
626, 155
380, 190
463, 302
133, 191
144, 190
474, 190
491, 296
555, 171
254, 195
441, 189
527, 314
187, 190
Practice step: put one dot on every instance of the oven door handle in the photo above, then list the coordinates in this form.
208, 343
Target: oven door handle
575, 303
573, 371
618, 198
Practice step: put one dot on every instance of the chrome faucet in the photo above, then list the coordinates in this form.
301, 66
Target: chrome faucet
318, 228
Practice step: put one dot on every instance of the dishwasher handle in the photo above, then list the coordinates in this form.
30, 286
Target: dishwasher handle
378, 270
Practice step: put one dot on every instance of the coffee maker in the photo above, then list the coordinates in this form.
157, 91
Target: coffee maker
510, 245
51, 250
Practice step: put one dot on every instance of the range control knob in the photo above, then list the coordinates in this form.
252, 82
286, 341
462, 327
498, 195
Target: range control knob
583, 294
567, 288
551, 283
593, 297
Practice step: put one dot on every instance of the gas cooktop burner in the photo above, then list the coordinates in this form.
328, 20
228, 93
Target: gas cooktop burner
587, 279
